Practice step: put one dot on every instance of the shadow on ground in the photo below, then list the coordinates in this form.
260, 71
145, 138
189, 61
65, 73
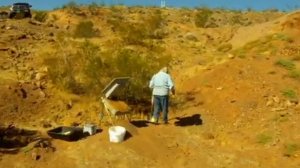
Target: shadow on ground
189, 121
127, 136
140, 124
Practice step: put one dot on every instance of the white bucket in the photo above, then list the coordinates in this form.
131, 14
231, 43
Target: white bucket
116, 134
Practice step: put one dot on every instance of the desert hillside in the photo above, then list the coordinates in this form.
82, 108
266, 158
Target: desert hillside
236, 74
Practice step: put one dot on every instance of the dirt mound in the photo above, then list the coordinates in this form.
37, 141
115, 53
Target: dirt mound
292, 21
292, 25
22, 102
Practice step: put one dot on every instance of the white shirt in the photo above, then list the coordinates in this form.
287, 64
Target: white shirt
161, 83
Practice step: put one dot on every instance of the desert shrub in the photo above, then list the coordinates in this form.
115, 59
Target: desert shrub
263, 138
153, 23
273, 10
116, 21
202, 16
62, 74
93, 5
149, 27
282, 37
92, 67
85, 29
294, 74
71, 5
77, 72
84, 69
241, 53
134, 34
40, 16
289, 93
237, 19
54, 17
290, 149
225, 47
93, 8
253, 44
285, 63
140, 67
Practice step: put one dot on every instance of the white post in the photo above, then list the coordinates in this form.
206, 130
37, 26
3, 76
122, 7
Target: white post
162, 3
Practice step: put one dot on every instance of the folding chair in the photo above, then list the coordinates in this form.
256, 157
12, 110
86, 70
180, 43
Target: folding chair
114, 109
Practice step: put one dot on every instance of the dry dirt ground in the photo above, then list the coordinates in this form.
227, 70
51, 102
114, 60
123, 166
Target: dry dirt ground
236, 108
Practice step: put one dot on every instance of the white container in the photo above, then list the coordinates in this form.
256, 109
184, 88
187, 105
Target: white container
116, 134
90, 128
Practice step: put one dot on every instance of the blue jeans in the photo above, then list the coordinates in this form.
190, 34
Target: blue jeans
161, 104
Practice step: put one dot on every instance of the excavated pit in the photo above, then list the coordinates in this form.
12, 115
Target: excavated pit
12, 139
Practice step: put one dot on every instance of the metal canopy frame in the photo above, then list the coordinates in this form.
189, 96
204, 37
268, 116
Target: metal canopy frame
115, 85
110, 90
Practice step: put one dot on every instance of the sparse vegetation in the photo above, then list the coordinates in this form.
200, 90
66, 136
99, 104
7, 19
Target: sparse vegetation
294, 74
202, 16
237, 19
283, 37
71, 5
290, 149
78, 72
85, 29
93, 8
241, 53
225, 47
264, 138
285, 63
41, 16
289, 93
150, 27
86, 70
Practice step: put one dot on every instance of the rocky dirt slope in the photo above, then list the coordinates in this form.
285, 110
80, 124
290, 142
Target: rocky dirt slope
235, 106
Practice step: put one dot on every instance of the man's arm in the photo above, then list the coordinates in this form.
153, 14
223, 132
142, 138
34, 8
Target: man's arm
173, 90
151, 84
171, 85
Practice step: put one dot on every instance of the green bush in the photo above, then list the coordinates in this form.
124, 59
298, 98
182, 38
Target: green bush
40, 16
71, 5
149, 27
134, 35
61, 74
289, 93
85, 29
237, 19
225, 47
290, 149
282, 37
140, 67
287, 64
153, 23
294, 74
54, 17
93, 8
77, 72
202, 16
241, 53
264, 139
86, 70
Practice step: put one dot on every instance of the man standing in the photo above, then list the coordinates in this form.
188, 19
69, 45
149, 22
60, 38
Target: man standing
162, 84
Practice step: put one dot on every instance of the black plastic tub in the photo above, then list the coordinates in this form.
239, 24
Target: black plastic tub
66, 133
